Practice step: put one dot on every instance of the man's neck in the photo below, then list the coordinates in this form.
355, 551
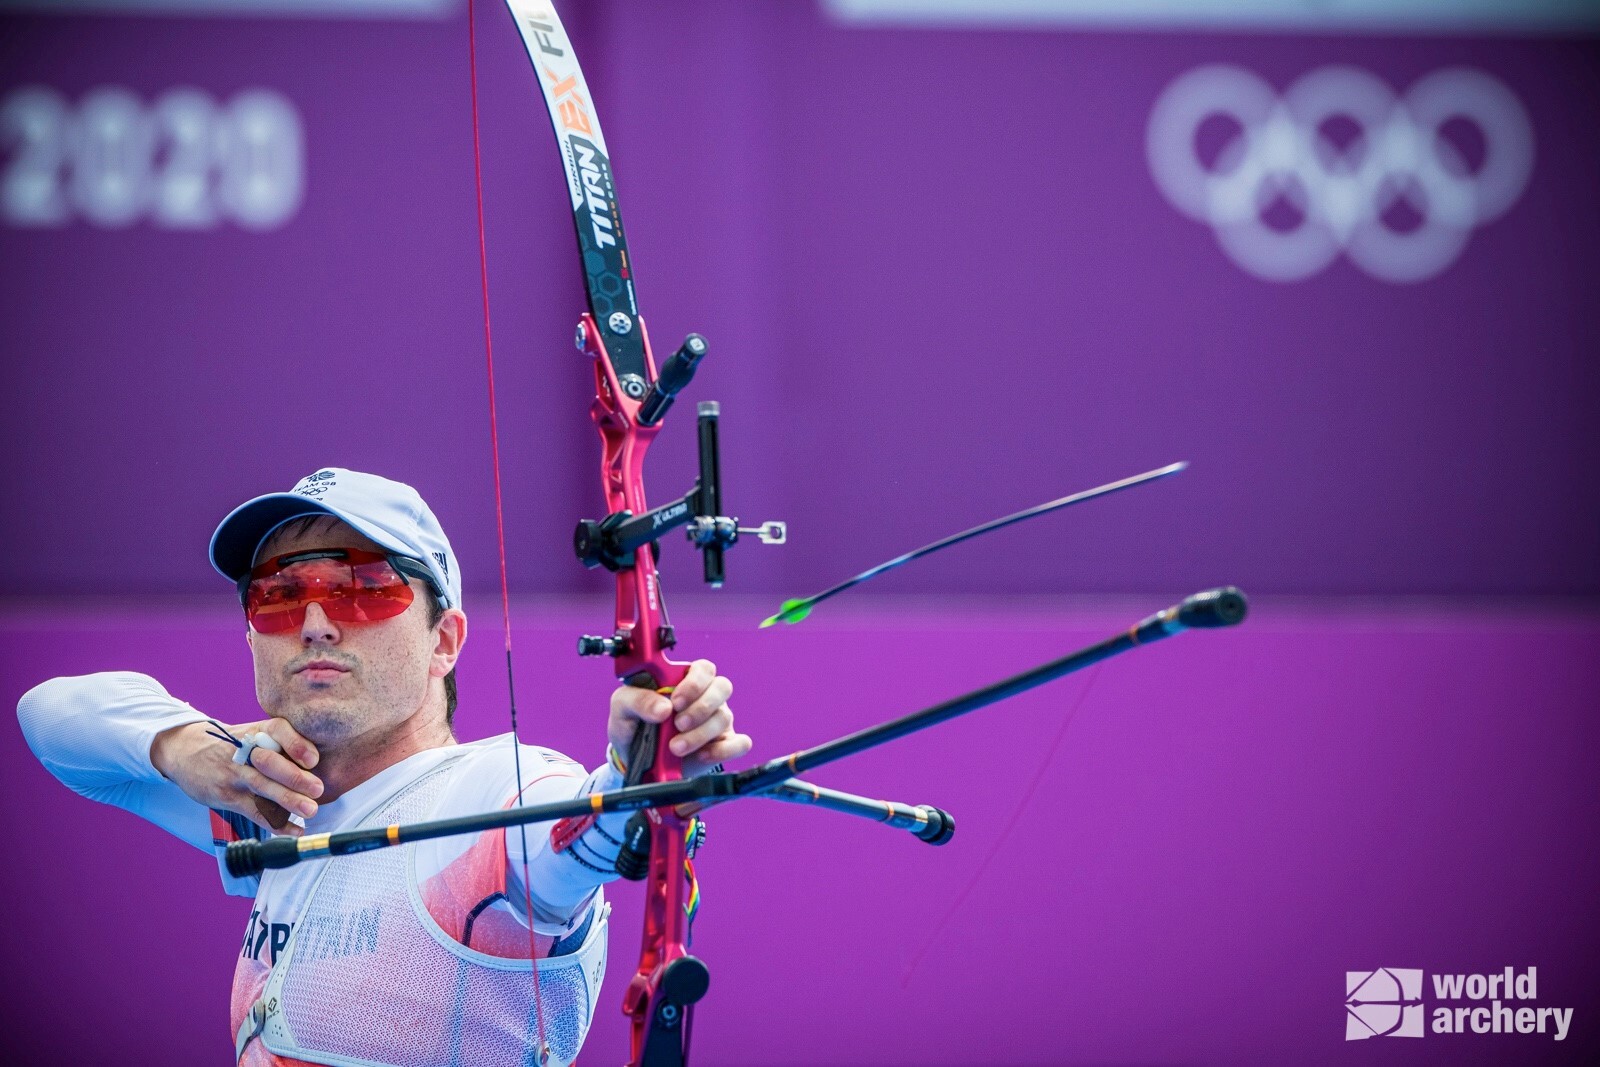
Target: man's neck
345, 766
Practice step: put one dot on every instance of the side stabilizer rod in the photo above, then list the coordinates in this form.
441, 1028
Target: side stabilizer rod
924, 821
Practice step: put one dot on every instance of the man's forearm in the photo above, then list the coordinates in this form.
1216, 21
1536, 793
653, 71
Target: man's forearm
95, 732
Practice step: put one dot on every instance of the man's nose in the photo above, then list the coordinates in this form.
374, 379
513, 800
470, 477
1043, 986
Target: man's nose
318, 628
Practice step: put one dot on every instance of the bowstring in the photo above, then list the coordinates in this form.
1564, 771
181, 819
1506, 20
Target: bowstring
500, 525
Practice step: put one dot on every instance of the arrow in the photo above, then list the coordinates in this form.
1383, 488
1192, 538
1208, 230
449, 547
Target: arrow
794, 611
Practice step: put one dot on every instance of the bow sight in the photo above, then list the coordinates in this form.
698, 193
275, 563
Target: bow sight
613, 541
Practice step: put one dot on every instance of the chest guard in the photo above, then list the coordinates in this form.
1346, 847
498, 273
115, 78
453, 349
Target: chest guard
369, 979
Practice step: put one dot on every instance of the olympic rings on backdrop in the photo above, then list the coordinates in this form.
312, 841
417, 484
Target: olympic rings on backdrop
1343, 194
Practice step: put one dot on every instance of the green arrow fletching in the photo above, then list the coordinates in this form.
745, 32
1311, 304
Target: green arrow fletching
793, 611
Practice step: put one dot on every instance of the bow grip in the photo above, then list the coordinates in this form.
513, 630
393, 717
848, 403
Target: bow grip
633, 857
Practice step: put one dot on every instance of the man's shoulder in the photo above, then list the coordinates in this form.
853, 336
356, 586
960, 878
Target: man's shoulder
483, 775
491, 755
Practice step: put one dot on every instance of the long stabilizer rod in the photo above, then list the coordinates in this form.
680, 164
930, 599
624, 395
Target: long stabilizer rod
1213, 608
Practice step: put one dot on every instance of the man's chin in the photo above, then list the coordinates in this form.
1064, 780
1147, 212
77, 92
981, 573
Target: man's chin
322, 721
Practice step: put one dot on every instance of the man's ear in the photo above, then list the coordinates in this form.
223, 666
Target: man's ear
449, 637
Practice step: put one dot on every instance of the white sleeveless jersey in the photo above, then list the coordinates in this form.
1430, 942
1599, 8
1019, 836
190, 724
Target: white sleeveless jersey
417, 955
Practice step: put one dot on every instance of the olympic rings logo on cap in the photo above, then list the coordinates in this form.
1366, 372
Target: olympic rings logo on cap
1400, 197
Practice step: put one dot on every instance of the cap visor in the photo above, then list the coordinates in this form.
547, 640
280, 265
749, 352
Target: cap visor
233, 546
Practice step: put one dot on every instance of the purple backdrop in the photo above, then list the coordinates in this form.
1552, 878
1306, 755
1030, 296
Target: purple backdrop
937, 256
940, 284
1226, 826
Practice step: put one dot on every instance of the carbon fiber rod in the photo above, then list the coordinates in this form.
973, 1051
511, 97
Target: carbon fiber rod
924, 821
1212, 608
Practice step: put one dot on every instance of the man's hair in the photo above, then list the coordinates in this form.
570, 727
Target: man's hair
305, 524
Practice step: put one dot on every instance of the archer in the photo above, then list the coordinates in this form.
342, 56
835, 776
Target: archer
352, 596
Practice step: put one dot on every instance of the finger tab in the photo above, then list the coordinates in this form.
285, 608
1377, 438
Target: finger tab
259, 739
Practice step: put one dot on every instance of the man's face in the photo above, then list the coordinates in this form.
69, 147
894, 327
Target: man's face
340, 681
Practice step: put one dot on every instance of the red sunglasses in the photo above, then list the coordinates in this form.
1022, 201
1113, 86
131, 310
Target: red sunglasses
351, 585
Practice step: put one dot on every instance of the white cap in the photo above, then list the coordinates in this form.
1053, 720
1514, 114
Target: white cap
391, 513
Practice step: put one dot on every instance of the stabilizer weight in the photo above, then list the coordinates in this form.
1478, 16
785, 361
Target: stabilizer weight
683, 982
941, 825
246, 859
633, 858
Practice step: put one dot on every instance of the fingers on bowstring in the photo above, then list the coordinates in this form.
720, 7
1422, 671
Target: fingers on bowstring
296, 747
286, 772
276, 792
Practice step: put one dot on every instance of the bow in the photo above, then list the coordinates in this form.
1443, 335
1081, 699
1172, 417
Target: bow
632, 399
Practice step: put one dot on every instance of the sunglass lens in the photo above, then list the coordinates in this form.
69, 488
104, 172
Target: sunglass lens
276, 618
368, 605
346, 591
